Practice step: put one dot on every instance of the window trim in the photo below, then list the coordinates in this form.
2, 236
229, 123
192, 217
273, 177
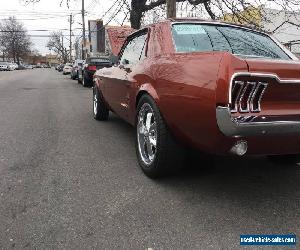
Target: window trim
138, 33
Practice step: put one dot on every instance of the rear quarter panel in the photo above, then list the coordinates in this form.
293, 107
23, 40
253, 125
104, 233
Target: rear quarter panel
185, 87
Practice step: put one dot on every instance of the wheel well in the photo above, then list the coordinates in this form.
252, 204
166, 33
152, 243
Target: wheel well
138, 97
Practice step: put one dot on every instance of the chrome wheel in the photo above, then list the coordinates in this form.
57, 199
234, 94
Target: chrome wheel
95, 102
147, 134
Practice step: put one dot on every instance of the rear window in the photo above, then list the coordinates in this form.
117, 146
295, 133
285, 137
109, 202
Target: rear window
99, 60
238, 41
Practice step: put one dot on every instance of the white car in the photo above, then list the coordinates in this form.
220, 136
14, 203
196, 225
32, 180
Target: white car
4, 66
67, 69
13, 66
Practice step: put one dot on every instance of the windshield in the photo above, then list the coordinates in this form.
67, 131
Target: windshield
206, 37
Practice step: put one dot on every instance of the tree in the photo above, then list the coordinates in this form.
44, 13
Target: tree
14, 40
56, 43
214, 9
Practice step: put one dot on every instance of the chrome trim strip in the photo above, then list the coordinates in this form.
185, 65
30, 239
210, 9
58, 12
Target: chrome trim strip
232, 128
248, 85
267, 75
258, 109
240, 85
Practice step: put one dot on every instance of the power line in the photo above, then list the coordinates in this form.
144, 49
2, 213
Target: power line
41, 30
32, 19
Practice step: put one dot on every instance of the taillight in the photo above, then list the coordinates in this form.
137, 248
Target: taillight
246, 96
92, 68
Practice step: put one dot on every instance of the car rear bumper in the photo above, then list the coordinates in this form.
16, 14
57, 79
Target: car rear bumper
254, 126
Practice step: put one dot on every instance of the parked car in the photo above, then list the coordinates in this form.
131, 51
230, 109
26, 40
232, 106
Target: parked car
11, 66
21, 67
67, 69
28, 66
75, 67
4, 66
86, 72
14, 66
60, 68
220, 88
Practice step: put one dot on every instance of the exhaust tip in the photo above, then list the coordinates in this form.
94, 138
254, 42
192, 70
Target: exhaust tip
240, 148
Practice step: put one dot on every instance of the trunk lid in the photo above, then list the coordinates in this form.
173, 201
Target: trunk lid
282, 94
284, 69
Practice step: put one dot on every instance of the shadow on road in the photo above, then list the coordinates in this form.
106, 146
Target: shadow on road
253, 178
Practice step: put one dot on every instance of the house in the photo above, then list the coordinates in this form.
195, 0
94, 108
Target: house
105, 40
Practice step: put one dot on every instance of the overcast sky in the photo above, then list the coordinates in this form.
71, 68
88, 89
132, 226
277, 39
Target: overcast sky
49, 15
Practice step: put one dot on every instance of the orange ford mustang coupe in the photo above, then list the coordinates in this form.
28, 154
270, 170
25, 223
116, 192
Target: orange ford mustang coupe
216, 87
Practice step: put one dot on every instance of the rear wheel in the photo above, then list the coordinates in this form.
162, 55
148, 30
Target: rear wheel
78, 79
85, 81
100, 111
157, 152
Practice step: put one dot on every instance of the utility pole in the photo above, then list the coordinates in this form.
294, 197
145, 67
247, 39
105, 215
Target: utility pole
171, 8
83, 31
63, 50
71, 21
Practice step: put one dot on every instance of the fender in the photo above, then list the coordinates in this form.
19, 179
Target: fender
148, 88
142, 89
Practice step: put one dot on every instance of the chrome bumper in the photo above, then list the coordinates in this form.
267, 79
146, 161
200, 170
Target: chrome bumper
232, 127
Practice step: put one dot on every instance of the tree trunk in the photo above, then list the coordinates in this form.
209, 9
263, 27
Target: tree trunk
135, 19
171, 8
136, 13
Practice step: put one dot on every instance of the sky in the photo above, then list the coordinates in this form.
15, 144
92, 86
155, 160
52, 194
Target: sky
50, 16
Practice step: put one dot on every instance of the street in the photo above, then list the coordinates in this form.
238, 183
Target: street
68, 181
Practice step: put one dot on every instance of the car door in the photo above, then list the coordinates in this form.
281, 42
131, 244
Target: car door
118, 82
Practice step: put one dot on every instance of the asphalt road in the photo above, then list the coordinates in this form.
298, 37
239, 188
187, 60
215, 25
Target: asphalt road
70, 182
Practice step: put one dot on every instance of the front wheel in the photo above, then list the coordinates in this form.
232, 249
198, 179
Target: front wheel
157, 152
100, 111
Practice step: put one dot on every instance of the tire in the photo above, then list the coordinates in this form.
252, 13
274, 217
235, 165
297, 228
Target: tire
284, 159
163, 156
78, 79
100, 110
84, 81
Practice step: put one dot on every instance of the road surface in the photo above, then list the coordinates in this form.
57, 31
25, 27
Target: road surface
70, 182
